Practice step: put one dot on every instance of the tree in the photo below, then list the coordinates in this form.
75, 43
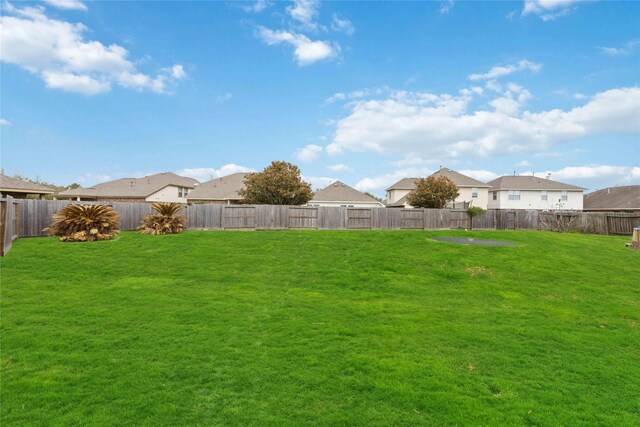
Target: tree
433, 192
278, 184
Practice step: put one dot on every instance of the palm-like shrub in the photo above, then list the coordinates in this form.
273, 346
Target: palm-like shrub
165, 221
85, 223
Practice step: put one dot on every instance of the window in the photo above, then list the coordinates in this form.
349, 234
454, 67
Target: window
514, 194
543, 195
179, 191
564, 196
495, 195
474, 193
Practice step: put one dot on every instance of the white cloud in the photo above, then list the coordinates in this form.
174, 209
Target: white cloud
257, 6
4, 122
206, 174
340, 167
357, 94
67, 4
446, 6
309, 153
384, 181
479, 174
224, 97
499, 71
56, 51
523, 164
593, 176
306, 51
549, 10
620, 51
304, 12
442, 127
342, 24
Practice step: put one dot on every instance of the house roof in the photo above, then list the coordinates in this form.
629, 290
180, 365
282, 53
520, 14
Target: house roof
398, 203
613, 198
459, 179
225, 188
511, 182
132, 187
16, 185
341, 192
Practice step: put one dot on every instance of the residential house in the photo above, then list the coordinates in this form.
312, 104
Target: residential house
223, 190
617, 199
161, 187
531, 192
21, 189
340, 194
471, 191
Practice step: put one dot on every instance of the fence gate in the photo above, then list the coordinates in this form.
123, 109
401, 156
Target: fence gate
460, 219
510, 220
303, 218
359, 218
622, 224
8, 224
239, 218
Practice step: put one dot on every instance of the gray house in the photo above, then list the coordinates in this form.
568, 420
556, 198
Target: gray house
340, 194
223, 190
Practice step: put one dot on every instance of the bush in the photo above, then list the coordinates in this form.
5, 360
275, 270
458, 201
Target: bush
433, 192
475, 211
85, 223
166, 221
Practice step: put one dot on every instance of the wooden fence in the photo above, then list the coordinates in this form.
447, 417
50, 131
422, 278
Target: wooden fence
8, 223
28, 218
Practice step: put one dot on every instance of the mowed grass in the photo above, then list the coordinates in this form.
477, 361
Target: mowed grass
321, 328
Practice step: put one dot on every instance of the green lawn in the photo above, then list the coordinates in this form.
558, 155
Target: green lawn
321, 327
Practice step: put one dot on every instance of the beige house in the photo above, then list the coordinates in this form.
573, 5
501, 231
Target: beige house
531, 192
223, 190
20, 189
472, 192
340, 194
161, 187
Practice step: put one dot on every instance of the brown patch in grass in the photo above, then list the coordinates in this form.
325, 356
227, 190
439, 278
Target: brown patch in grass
477, 271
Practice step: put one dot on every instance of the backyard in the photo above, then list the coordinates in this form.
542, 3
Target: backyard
321, 327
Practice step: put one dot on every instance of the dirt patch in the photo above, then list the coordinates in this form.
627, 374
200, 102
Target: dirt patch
478, 271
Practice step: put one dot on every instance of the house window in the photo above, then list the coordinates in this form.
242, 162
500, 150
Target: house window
474, 193
514, 194
180, 192
495, 195
543, 195
564, 196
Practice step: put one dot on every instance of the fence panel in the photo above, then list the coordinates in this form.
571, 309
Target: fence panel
131, 214
386, 219
303, 218
622, 223
459, 219
330, 218
272, 217
8, 224
204, 216
412, 219
436, 219
359, 218
239, 218
484, 221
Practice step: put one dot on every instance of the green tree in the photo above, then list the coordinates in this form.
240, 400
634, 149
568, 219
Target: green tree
433, 192
278, 184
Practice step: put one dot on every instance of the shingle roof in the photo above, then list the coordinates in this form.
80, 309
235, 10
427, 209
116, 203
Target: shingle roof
400, 202
225, 188
9, 184
458, 179
511, 182
341, 192
613, 198
132, 187
404, 184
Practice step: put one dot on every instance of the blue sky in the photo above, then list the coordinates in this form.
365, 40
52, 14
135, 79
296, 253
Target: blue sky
364, 92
